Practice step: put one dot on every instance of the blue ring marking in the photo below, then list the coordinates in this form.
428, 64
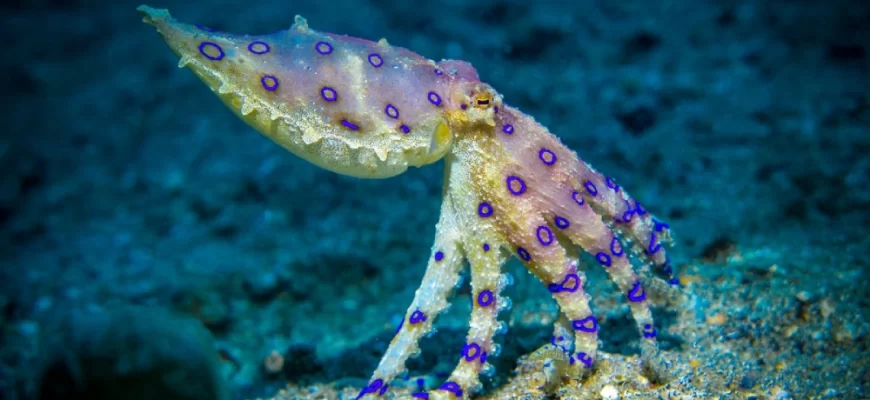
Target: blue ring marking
486, 247
405, 129
603, 259
485, 298
434, 98
554, 288
571, 278
547, 156
633, 294
483, 358
590, 188
588, 324
438, 72
626, 216
639, 209
265, 49
371, 388
218, 57
524, 254
484, 210
383, 390
204, 28
470, 351
575, 196
585, 359
653, 246
319, 46
349, 125
452, 387
614, 244
611, 184
420, 395
660, 226
375, 60
439, 255
391, 111
269, 82
561, 223
508, 129
329, 94
417, 317
674, 282
510, 185
463, 106
649, 331
545, 241
401, 324
495, 109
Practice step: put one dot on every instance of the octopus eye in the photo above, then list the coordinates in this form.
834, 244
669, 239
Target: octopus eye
483, 100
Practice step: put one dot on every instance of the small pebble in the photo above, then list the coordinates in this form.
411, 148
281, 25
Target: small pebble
609, 393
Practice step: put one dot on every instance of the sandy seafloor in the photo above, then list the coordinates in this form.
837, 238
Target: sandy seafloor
154, 246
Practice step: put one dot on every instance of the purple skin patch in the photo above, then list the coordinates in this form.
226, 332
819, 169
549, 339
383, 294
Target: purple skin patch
203, 49
405, 129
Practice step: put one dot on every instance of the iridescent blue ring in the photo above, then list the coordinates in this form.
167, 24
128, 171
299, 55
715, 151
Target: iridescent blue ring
323, 47
524, 254
547, 238
508, 129
511, 180
264, 50
375, 60
202, 47
328, 94
484, 210
391, 111
269, 82
434, 98
547, 156
485, 298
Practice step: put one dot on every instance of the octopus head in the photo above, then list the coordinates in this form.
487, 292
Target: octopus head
473, 104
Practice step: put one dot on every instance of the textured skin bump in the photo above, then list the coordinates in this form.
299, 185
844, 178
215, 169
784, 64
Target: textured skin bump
275, 83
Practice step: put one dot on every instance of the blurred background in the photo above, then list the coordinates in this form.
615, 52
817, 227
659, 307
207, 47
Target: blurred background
147, 234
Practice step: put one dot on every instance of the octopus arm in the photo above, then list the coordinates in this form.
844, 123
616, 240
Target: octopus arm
430, 299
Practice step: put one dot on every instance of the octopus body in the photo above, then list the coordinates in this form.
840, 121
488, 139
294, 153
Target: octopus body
512, 189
